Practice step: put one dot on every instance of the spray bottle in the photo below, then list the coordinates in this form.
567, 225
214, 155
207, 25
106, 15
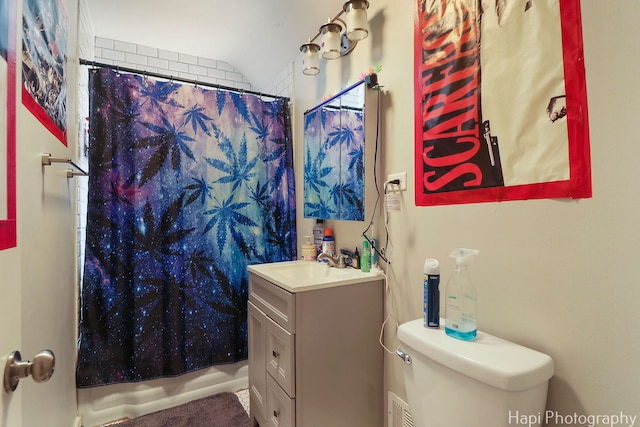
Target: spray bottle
460, 306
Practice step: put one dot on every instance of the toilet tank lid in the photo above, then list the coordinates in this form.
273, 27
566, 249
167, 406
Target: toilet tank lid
488, 359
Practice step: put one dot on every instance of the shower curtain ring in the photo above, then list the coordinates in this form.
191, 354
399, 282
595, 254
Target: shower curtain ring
118, 70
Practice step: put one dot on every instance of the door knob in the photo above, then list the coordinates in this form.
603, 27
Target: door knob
40, 369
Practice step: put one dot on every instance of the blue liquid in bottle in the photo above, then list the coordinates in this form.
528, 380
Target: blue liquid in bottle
465, 336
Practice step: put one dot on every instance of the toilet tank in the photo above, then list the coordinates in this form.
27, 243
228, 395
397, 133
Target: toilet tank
485, 382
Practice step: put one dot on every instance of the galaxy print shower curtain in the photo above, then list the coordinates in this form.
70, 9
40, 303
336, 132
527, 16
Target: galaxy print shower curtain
187, 187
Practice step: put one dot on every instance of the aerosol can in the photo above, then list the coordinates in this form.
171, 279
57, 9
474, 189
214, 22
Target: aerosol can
431, 293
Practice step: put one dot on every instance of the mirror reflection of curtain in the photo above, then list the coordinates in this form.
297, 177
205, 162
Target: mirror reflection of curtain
348, 193
334, 163
4, 28
187, 187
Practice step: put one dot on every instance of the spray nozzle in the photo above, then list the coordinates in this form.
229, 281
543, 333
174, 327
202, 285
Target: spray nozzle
463, 255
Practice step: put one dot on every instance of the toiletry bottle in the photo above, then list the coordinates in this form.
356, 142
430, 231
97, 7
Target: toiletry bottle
309, 251
460, 306
374, 254
365, 258
355, 261
318, 234
431, 293
328, 242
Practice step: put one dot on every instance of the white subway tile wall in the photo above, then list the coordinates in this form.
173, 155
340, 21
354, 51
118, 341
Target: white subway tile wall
176, 64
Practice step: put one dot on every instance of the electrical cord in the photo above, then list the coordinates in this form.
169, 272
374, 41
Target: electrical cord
381, 339
388, 249
382, 253
391, 299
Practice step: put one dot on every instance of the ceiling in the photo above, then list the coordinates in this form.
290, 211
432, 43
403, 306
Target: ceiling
259, 38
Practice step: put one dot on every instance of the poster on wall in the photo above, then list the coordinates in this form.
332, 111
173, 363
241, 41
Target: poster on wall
7, 124
44, 63
500, 101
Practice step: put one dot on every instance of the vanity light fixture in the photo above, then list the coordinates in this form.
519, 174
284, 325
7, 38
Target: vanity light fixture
356, 18
338, 36
310, 61
331, 35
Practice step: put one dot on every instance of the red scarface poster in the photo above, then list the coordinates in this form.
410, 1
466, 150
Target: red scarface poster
500, 101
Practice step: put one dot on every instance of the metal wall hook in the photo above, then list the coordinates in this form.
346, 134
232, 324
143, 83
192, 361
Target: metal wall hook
47, 160
71, 173
40, 369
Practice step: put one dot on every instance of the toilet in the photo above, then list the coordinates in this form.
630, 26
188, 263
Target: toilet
487, 382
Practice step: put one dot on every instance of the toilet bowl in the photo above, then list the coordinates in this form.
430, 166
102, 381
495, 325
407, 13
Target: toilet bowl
487, 382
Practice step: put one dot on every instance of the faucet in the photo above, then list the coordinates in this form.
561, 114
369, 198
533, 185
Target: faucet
337, 262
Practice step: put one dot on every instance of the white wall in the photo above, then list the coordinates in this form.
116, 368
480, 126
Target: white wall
555, 275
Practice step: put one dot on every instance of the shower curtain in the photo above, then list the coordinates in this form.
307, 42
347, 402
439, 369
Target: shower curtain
187, 186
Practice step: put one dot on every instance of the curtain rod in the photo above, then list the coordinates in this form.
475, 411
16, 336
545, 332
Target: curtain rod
178, 79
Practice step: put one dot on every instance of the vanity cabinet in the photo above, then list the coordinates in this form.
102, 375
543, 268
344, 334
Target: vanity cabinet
314, 355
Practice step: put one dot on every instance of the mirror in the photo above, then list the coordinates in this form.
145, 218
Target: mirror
334, 157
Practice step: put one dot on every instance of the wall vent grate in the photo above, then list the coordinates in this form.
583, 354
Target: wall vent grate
398, 412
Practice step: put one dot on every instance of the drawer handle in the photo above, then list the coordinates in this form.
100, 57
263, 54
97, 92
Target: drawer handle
276, 414
275, 353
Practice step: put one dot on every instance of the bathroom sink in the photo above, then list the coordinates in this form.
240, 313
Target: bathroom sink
296, 276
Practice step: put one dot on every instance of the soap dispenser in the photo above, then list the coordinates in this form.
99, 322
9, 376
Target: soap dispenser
460, 305
309, 251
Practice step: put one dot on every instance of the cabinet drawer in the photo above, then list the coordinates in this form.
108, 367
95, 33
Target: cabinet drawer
281, 409
274, 301
280, 356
